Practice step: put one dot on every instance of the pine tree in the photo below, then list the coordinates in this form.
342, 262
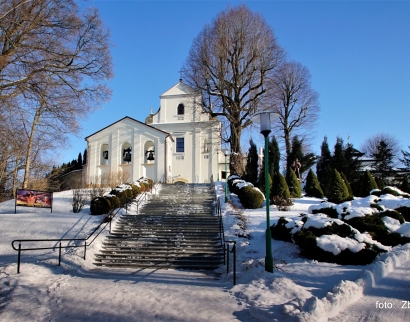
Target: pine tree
384, 159
338, 191
251, 168
312, 186
279, 187
294, 187
338, 158
324, 167
274, 156
353, 165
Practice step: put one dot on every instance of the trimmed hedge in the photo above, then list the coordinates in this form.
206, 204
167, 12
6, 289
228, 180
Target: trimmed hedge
100, 206
250, 197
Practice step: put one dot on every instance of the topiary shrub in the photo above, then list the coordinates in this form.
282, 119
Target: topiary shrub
120, 195
405, 211
367, 184
279, 187
295, 189
234, 188
250, 197
136, 190
380, 182
393, 214
312, 186
349, 188
338, 192
231, 178
100, 206
114, 201
262, 185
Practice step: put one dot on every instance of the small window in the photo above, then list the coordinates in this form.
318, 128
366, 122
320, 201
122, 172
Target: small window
180, 145
181, 109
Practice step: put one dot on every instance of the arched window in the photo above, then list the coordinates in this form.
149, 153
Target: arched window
104, 156
181, 109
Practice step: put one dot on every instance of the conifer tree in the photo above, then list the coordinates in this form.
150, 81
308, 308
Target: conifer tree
349, 188
279, 187
85, 157
384, 159
252, 164
406, 158
367, 184
338, 191
274, 156
79, 161
324, 167
294, 187
338, 158
312, 186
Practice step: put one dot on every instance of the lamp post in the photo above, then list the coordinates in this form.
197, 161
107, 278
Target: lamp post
217, 152
265, 119
226, 176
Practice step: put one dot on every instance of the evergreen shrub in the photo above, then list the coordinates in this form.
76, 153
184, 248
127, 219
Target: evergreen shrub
312, 186
295, 189
250, 197
338, 192
376, 206
281, 203
390, 191
279, 187
280, 231
367, 184
330, 212
405, 212
392, 214
405, 186
114, 202
100, 206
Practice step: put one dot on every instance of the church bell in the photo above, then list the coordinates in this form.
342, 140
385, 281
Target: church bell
127, 155
150, 156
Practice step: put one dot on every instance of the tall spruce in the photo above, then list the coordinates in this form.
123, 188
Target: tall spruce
252, 164
324, 167
279, 187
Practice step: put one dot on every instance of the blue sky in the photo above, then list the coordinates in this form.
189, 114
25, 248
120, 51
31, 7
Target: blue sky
358, 53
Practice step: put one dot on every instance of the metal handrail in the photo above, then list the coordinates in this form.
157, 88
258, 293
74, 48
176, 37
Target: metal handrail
227, 243
110, 216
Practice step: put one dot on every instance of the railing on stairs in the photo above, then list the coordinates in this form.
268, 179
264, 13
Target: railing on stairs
225, 243
95, 233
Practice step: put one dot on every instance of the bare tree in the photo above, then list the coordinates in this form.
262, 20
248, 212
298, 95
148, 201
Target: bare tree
293, 98
229, 64
370, 147
53, 64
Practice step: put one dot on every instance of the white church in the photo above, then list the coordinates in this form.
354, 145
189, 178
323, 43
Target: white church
178, 143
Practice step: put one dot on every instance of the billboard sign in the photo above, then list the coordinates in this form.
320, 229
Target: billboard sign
34, 198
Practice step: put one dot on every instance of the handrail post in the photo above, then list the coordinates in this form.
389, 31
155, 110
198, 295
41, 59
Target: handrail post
59, 255
18, 259
234, 263
85, 249
227, 259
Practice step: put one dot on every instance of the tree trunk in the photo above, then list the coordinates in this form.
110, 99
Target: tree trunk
30, 148
236, 159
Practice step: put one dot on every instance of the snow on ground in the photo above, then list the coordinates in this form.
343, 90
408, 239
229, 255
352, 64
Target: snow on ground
298, 290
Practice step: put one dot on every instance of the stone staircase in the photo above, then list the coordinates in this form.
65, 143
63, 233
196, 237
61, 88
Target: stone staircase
176, 229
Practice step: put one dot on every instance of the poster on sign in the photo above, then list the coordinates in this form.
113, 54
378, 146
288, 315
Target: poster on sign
34, 198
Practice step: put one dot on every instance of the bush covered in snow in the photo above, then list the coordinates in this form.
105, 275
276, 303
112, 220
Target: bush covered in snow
353, 232
251, 197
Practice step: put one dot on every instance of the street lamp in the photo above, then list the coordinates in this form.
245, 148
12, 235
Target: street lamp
226, 176
265, 119
217, 152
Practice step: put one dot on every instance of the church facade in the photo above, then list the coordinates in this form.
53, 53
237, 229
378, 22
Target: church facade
177, 143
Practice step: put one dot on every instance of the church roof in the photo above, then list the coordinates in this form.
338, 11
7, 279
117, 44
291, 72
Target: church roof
179, 89
134, 120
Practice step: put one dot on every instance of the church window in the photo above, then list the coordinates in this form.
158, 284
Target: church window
181, 109
180, 145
